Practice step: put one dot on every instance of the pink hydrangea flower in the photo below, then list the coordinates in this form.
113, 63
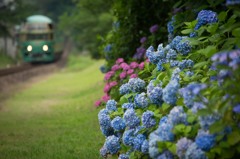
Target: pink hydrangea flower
119, 60
108, 75
113, 83
133, 65
98, 103
107, 88
141, 66
105, 98
147, 60
134, 76
123, 75
125, 66
115, 67
129, 72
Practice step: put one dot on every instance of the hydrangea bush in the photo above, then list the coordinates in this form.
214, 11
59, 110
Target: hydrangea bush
185, 103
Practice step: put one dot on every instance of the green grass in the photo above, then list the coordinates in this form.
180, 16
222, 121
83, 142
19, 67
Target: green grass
5, 60
54, 118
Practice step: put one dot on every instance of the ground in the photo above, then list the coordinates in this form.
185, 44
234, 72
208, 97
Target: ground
53, 117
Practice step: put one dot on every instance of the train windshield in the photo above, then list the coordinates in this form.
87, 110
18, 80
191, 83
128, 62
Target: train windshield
39, 37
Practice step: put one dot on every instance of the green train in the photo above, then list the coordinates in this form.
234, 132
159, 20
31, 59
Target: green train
36, 39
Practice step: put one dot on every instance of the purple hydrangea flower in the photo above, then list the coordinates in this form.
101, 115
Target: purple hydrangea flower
131, 119
118, 124
154, 28
111, 105
148, 120
113, 144
143, 39
182, 146
236, 109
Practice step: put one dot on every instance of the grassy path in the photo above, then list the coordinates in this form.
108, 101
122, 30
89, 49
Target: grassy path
54, 118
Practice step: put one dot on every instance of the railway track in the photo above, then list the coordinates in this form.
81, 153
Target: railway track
22, 73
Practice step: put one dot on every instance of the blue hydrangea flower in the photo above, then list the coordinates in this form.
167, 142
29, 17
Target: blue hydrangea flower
128, 106
205, 17
155, 95
194, 152
177, 116
236, 109
128, 137
160, 66
138, 141
171, 54
154, 138
173, 63
166, 155
138, 129
105, 123
152, 55
118, 124
165, 131
151, 86
208, 120
136, 85
131, 119
189, 73
190, 92
185, 64
144, 147
232, 2
170, 92
175, 74
183, 47
204, 140
148, 120
104, 151
125, 89
197, 106
170, 26
123, 156
111, 105
175, 41
141, 100
182, 146
103, 69
113, 144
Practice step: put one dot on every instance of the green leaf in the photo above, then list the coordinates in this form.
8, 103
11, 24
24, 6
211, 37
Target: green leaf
233, 138
187, 31
165, 106
236, 32
216, 127
200, 64
210, 50
204, 79
212, 28
222, 16
123, 100
161, 76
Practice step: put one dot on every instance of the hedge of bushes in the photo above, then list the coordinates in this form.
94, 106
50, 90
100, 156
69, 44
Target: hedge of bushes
184, 100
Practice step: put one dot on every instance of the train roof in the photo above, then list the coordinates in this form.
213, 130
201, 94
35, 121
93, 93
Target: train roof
39, 19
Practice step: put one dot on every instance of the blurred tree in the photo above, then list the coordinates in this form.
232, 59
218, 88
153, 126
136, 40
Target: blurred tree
85, 22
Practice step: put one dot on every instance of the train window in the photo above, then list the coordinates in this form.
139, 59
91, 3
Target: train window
38, 37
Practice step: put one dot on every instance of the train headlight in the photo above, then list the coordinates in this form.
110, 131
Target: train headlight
29, 48
45, 48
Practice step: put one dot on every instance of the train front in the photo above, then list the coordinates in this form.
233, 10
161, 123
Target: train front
36, 38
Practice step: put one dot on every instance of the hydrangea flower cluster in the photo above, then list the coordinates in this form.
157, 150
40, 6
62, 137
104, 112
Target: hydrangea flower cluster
119, 72
232, 2
157, 114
